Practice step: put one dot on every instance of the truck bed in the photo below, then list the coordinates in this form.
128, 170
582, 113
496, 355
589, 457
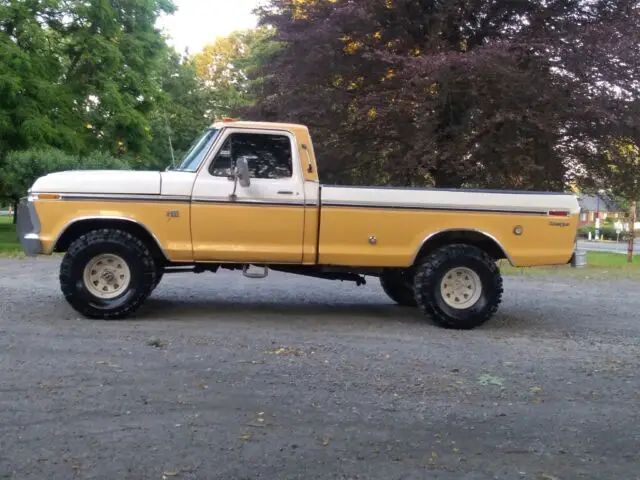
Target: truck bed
369, 226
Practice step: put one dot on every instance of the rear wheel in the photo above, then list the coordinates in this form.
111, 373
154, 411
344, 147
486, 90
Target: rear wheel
107, 274
458, 286
398, 285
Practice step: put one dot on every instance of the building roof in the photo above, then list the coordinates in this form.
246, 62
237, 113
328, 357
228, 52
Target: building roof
589, 203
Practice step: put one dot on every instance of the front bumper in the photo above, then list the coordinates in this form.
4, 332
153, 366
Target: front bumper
28, 227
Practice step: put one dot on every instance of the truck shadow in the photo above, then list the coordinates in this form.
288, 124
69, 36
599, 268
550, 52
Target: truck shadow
214, 309
366, 313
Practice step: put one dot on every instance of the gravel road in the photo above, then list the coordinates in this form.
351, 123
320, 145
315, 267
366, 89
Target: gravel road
221, 377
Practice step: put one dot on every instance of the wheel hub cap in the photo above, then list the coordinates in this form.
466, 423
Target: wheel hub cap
107, 276
461, 288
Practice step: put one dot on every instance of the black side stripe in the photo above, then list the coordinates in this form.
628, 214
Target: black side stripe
125, 198
301, 203
435, 208
245, 203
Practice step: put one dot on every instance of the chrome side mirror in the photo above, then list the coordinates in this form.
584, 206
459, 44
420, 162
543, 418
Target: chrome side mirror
240, 175
242, 172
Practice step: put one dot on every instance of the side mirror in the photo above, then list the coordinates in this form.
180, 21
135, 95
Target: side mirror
240, 175
242, 172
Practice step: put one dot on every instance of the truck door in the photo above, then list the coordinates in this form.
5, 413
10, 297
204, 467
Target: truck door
264, 222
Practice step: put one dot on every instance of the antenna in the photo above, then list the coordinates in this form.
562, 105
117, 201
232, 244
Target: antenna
173, 160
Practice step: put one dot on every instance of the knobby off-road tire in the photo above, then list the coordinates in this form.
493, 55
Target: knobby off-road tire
398, 285
458, 287
107, 274
159, 275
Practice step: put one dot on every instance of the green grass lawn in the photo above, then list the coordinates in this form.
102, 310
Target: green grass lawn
9, 244
599, 264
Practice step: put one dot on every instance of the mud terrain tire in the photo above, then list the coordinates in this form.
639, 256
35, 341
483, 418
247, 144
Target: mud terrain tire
107, 274
398, 285
458, 286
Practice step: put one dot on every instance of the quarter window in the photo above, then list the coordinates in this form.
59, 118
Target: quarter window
268, 155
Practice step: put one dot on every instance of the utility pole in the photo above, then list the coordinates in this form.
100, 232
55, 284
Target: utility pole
598, 216
632, 228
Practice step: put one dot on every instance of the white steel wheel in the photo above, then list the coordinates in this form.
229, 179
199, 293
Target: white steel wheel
107, 276
461, 288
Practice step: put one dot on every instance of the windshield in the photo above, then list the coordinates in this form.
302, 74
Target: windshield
198, 150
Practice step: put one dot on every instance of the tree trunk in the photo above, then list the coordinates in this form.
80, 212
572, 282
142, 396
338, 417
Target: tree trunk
632, 230
15, 211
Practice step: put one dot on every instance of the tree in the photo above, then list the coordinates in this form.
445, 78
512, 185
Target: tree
182, 111
226, 66
36, 109
451, 94
80, 75
112, 56
622, 171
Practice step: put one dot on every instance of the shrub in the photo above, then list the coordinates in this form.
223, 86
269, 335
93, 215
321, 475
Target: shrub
21, 168
608, 232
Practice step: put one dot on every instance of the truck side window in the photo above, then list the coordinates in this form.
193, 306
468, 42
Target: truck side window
268, 155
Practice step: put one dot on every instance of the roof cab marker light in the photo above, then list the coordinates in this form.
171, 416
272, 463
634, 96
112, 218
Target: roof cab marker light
559, 213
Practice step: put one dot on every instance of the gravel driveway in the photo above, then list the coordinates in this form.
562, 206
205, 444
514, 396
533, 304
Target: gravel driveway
221, 377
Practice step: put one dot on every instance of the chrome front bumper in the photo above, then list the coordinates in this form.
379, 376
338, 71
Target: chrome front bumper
28, 227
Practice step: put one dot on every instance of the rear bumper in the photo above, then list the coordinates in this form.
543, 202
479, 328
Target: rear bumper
28, 227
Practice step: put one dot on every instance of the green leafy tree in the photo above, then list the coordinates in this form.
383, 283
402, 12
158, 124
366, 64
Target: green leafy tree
80, 75
182, 111
113, 53
622, 173
36, 109
227, 65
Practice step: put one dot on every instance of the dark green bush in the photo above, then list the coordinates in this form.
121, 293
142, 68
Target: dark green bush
609, 232
21, 168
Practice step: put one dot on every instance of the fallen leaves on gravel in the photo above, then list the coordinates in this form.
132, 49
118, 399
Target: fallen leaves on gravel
285, 351
157, 343
324, 441
488, 379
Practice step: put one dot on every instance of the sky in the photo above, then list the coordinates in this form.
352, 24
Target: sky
198, 22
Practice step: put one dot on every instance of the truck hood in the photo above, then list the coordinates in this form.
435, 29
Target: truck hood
100, 181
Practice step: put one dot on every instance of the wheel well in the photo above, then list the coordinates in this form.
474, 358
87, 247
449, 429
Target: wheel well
467, 237
76, 229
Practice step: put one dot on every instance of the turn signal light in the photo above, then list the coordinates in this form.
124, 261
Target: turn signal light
46, 196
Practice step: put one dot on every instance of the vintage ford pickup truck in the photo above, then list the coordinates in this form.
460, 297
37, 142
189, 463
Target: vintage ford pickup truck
247, 196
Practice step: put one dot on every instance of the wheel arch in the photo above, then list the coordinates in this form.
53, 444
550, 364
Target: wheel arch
477, 238
80, 226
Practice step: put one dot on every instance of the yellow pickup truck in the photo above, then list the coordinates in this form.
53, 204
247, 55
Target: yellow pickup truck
247, 197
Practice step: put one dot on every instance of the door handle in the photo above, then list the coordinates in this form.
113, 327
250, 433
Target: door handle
285, 192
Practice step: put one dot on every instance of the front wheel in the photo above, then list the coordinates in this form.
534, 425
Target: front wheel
107, 274
458, 286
